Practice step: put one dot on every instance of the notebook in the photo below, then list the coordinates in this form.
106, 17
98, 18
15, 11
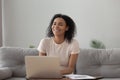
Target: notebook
42, 67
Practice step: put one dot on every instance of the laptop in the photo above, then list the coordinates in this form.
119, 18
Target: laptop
42, 67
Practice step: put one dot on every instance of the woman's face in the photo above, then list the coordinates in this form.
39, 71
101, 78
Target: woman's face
59, 27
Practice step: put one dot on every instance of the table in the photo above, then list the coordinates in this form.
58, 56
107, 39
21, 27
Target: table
97, 78
63, 79
50, 79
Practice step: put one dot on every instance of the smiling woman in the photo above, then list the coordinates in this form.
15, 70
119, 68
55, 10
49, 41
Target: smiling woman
59, 27
67, 25
60, 42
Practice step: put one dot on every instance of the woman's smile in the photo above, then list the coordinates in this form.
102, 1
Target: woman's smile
59, 27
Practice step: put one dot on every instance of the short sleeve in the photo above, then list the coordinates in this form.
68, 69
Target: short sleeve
41, 47
75, 49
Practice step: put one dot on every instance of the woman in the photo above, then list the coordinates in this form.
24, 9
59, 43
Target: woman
60, 43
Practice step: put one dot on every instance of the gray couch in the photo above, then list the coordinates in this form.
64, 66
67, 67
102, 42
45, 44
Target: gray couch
12, 62
94, 62
99, 62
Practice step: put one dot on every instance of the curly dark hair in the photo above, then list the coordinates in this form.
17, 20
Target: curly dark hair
70, 33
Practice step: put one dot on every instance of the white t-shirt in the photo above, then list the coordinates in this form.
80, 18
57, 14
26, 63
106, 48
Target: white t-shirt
62, 50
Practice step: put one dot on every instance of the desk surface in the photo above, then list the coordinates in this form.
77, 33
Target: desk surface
97, 78
60, 79
50, 79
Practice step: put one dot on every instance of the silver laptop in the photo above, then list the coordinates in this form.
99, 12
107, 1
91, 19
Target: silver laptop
42, 67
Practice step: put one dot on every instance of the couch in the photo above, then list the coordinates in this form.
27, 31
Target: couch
12, 62
94, 62
99, 62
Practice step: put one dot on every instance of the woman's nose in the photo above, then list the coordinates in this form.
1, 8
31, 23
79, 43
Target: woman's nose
56, 26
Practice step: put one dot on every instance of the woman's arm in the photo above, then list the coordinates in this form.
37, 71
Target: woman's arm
71, 64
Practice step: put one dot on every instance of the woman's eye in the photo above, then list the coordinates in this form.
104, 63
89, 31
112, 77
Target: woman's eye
60, 24
54, 23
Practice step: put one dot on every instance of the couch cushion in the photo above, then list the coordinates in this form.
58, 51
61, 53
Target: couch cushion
99, 62
19, 71
13, 57
5, 73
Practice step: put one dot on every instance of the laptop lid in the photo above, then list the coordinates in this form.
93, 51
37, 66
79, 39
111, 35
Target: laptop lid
42, 67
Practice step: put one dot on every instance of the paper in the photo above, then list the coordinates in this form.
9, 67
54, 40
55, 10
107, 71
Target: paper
77, 76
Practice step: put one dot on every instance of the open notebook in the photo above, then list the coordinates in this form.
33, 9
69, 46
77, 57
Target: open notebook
82, 77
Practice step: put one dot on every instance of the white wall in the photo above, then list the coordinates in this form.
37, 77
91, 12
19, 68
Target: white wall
0, 23
25, 21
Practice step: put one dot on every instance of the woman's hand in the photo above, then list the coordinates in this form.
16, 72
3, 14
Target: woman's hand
66, 71
42, 54
71, 65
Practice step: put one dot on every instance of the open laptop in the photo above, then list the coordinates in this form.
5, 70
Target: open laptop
42, 67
